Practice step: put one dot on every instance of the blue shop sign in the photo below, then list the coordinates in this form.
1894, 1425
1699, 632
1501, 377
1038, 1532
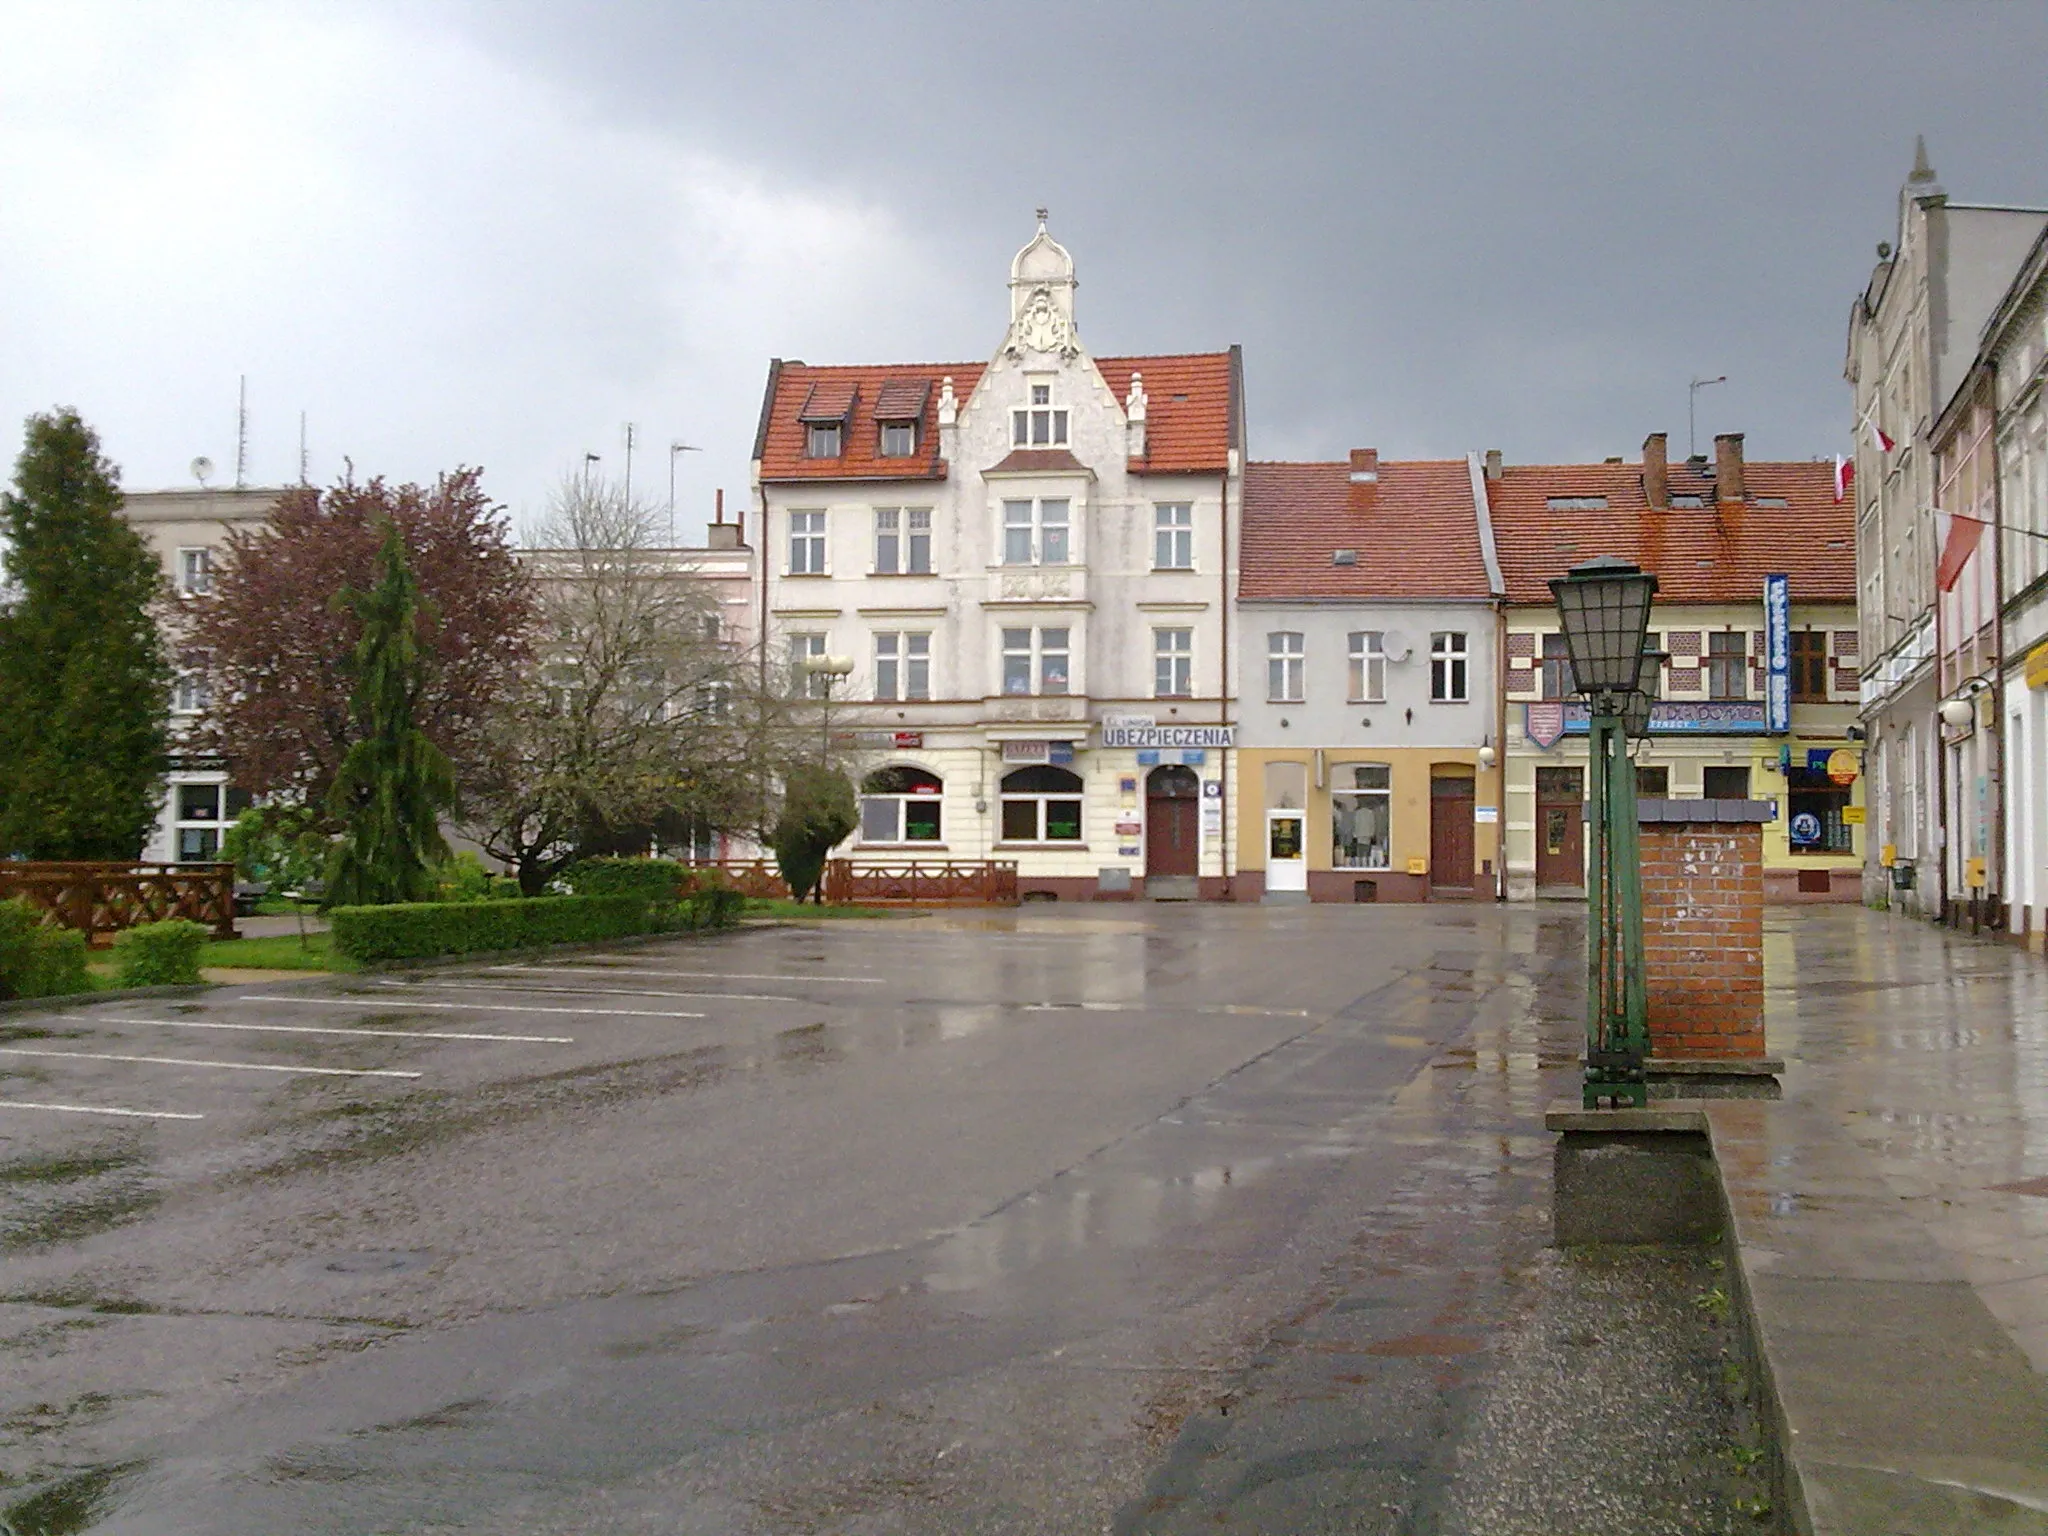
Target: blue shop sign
1684, 717
1778, 653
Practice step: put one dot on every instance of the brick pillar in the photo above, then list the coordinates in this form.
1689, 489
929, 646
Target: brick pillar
1703, 928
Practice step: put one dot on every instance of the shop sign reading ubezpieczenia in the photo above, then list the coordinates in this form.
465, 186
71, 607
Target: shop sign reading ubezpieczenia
1169, 735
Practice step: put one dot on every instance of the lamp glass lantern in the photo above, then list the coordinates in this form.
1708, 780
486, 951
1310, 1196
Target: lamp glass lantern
1604, 605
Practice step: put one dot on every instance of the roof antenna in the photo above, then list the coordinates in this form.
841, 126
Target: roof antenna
242, 432
1692, 395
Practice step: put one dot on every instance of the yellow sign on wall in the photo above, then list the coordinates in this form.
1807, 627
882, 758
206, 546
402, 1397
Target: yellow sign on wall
1418, 866
2037, 666
1852, 815
1842, 766
1888, 855
1973, 874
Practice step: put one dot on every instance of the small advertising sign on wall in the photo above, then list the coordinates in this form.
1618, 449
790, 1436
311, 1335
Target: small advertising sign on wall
1777, 653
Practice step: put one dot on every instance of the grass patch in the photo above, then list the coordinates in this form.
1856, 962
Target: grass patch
777, 906
279, 952
71, 1505
59, 1170
66, 1222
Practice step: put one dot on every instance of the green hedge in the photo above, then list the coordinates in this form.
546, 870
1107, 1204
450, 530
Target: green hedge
37, 960
159, 954
661, 881
422, 930
712, 906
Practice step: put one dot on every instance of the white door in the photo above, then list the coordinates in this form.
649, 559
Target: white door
1286, 851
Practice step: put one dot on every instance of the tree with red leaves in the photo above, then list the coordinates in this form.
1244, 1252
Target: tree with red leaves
276, 642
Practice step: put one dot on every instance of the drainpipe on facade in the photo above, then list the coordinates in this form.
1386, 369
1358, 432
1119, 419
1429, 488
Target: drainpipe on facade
1940, 735
1500, 750
1225, 862
2001, 909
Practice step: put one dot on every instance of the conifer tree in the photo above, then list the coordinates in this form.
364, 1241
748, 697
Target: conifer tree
84, 683
394, 782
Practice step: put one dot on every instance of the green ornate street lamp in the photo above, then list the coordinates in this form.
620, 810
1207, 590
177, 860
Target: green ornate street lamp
1604, 607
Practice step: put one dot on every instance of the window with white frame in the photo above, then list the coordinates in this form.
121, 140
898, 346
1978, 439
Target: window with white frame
822, 439
1284, 653
1361, 816
1173, 663
807, 543
1040, 424
903, 541
195, 572
900, 804
203, 812
1036, 532
1041, 804
1368, 666
903, 665
899, 439
1449, 663
192, 692
804, 646
1035, 660
1173, 536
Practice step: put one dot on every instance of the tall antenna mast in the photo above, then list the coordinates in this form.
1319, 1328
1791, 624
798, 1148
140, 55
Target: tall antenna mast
303, 477
242, 432
629, 462
1692, 395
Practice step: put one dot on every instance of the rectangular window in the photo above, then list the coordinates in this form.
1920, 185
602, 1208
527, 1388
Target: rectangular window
1652, 783
1173, 536
191, 694
1284, 667
803, 682
1036, 532
821, 439
807, 543
1362, 816
195, 572
888, 540
1039, 655
903, 666
198, 845
1728, 665
1447, 667
199, 802
1810, 667
920, 552
1557, 667
1368, 666
899, 439
1173, 663
1039, 425
1724, 783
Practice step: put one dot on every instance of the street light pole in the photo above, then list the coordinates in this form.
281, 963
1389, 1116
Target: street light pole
830, 670
675, 448
1604, 606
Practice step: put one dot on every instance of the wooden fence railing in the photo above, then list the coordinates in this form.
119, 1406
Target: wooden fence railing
101, 899
909, 883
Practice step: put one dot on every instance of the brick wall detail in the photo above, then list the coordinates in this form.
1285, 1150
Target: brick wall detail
1703, 936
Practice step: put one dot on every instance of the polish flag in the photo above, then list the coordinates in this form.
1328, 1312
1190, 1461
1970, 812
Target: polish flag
1845, 476
1958, 535
1878, 437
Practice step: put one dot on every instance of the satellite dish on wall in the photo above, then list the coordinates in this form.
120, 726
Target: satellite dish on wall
202, 467
1396, 644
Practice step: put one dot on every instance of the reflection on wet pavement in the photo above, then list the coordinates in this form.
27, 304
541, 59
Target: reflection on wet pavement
1932, 1049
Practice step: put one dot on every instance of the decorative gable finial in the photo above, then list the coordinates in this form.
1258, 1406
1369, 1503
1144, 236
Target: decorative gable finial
1134, 402
1043, 215
949, 407
1922, 171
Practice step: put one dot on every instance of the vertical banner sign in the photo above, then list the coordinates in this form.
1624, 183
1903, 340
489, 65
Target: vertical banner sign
1777, 654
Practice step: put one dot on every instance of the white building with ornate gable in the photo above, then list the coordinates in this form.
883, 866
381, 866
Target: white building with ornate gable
1030, 563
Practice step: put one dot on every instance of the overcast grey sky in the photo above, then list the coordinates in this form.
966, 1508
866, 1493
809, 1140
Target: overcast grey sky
492, 232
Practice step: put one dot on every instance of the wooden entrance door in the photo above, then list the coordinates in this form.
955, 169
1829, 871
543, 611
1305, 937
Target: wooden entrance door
1173, 799
1560, 828
1450, 835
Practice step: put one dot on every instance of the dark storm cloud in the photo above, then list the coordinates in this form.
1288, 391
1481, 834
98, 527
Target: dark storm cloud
1433, 227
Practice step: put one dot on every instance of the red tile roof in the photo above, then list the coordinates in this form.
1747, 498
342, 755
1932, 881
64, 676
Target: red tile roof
1705, 554
792, 389
1415, 531
1025, 461
1191, 411
1191, 423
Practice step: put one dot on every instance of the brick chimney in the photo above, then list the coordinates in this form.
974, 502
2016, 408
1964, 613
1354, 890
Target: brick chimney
1656, 473
1365, 478
1493, 464
1728, 486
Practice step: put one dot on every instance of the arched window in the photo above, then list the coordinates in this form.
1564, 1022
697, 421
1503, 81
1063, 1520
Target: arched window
900, 804
1042, 805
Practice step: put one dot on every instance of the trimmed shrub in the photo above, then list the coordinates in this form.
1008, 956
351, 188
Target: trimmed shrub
713, 906
661, 881
159, 954
423, 930
37, 960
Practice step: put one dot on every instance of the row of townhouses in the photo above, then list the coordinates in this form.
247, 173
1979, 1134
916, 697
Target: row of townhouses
1071, 625
1078, 629
1947, 346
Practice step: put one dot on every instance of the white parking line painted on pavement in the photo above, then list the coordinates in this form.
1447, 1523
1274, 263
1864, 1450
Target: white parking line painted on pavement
620, 970
323, 1029
521, 986
1234, 1010
185, 1061
362, 1002
95, 1109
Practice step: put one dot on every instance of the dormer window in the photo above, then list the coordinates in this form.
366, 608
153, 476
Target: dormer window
899, 439
821, 439
1039, 425
824, 414
898, 408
